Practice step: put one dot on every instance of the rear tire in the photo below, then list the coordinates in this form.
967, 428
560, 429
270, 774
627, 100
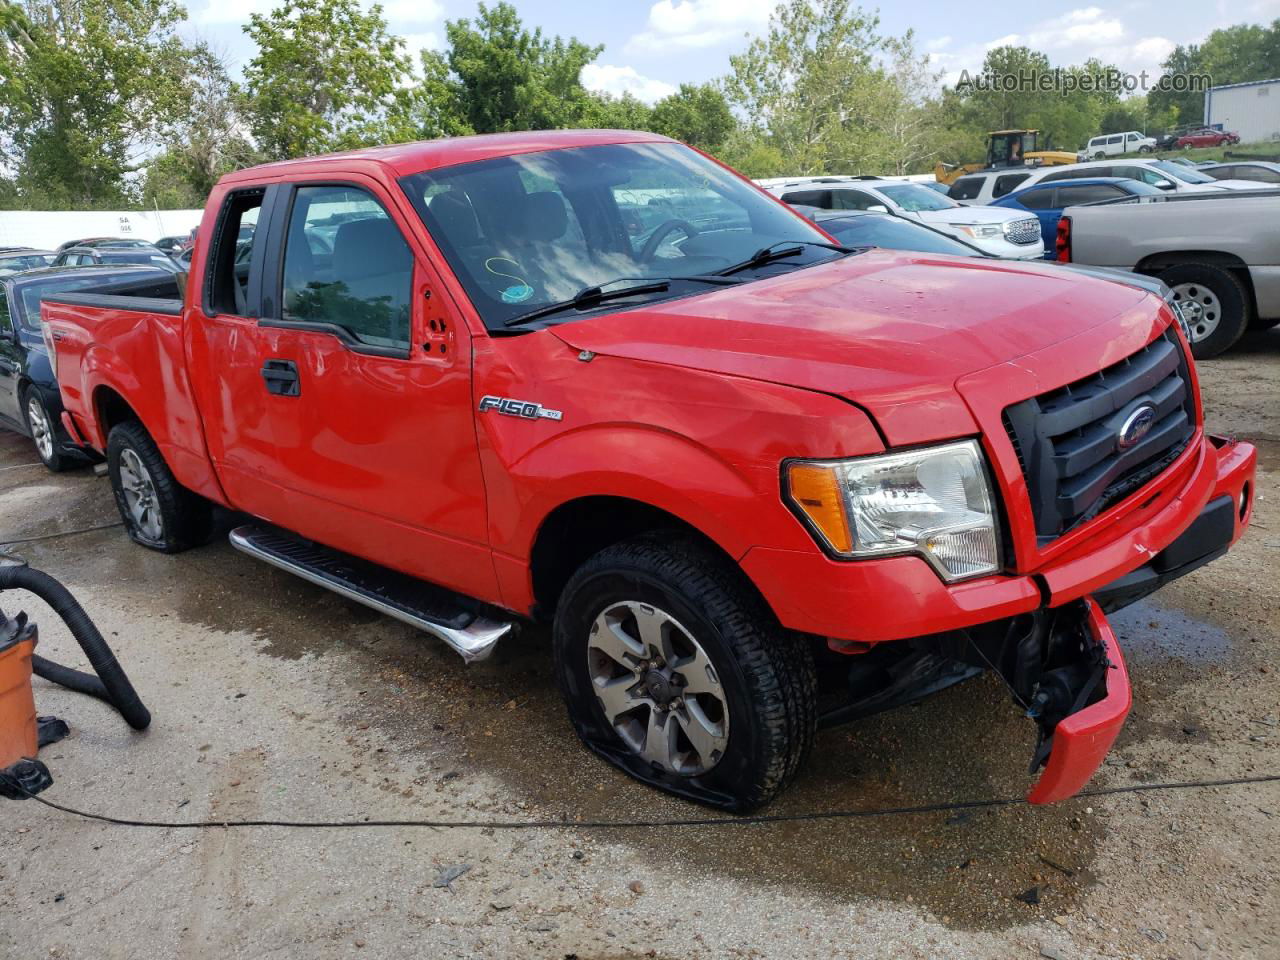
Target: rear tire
1224, 300
158, 512
645, 622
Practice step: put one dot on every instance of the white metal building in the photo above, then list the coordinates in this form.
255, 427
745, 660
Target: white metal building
1249, 109
46, 229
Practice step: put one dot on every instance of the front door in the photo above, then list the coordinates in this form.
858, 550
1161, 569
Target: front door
360, 372
10, 361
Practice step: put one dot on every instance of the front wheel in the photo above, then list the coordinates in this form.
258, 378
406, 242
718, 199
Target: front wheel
673, 670
1224, 306
1144, 149
158, 512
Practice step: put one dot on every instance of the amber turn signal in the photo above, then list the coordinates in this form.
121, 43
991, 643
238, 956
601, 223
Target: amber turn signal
815, 490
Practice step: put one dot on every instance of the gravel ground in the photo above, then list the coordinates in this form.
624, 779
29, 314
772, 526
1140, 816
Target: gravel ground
276, 699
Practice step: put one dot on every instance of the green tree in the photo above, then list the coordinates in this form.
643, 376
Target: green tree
210, 140
809, 87
1235, 54
697, 114
499, 76
327, 76
87, 87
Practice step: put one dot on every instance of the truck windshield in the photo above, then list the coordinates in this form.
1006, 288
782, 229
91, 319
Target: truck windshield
533, 229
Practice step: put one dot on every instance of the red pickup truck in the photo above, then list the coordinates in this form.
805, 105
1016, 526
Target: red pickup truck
756, 481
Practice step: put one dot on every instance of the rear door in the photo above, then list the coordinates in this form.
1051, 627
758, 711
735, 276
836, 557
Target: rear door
358, 370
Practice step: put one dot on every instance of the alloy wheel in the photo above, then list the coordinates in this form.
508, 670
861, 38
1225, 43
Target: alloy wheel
140, 495
41, 429
658, 688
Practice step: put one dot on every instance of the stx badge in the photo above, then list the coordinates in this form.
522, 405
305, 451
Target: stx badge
519, 408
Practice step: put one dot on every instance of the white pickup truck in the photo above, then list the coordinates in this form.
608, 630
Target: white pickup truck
1220, 252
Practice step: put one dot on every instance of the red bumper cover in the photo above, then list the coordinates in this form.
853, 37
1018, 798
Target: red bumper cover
1082, 740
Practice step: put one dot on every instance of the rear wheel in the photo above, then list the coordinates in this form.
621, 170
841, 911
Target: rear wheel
44, 434
673, 670
1223, 302
158, 512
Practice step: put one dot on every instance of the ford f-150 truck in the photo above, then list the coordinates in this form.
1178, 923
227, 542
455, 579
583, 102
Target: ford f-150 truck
756, 481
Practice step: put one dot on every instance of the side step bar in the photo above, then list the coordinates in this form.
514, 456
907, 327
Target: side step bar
433, 609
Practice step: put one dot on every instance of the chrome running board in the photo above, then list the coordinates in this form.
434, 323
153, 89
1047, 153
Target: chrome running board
430, 608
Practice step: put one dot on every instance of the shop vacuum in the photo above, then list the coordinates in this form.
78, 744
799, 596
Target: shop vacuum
22, 733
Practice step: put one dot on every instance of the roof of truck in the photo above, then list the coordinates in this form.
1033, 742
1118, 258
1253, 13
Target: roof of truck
407, 158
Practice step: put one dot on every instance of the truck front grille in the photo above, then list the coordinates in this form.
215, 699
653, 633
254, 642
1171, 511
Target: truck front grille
1023, 231
1069, 441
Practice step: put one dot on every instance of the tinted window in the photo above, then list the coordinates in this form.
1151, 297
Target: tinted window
1037, 198
1069, 194
854, 200
1115, 139
6, 324
809, 198
966, 188
1250, 172
151, 259
1008, 183
26, 261
32, 293
346, 263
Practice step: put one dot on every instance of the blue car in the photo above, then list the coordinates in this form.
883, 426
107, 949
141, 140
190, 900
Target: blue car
1048, 200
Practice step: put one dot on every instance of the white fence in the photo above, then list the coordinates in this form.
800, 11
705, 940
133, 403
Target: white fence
47, 229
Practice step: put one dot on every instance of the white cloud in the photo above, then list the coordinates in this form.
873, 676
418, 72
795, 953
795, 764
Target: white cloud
1070, 39
413, 42
412, 11
937, 44
234, 11
695, 24
619, 80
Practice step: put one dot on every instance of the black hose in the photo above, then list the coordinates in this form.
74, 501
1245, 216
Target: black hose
111, 684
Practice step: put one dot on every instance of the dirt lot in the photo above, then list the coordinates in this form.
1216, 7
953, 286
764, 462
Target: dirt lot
276, 699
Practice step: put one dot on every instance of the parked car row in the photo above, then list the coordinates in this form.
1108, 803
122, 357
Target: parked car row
1224, 277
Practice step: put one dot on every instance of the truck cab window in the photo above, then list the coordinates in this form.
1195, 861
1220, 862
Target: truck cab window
346, 263
227, 289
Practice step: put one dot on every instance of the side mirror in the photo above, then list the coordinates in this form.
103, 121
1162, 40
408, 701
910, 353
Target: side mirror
877, 208
1163, 184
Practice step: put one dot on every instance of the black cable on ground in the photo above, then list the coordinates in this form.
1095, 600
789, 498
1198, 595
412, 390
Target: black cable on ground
62, 533
726, 821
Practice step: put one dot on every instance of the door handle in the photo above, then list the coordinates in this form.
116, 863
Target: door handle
281, 377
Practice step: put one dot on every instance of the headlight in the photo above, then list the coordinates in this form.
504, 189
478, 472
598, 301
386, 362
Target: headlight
979, 231
934, 501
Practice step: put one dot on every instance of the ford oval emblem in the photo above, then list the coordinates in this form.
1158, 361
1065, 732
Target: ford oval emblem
1136, 426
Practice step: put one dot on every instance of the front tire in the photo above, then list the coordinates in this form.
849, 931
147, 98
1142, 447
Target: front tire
43, 430
158, 512
1224, 305
673, 670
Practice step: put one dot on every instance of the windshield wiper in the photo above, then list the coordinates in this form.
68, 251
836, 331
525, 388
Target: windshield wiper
596, 294
769, 254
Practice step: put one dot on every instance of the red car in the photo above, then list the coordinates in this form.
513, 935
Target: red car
754, 481
1206, 138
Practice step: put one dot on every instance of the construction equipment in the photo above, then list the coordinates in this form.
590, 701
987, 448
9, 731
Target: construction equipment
1007, 148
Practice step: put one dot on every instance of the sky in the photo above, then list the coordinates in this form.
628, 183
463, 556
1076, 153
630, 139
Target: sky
650, 48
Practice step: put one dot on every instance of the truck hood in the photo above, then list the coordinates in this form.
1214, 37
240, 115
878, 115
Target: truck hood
890, 331
970, 215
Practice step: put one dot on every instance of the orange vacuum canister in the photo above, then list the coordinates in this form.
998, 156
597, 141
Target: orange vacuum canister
19, 734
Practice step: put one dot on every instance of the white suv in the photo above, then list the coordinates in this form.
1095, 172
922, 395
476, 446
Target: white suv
1114, 144
996, 231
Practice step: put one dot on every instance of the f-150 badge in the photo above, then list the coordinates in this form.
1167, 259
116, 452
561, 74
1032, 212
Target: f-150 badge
519, 408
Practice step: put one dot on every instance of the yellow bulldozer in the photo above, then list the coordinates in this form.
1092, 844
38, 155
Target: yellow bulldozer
1007, 148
